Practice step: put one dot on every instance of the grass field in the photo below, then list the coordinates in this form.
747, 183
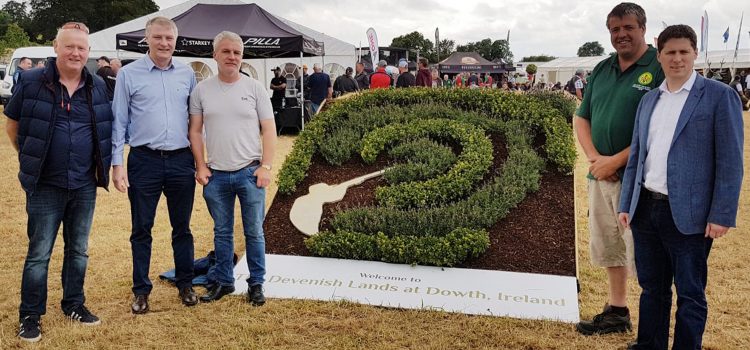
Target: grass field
292, 324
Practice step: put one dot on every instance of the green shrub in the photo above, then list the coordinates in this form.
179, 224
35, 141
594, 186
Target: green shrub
472, 163
438, 206
423, 158
339, 146
449, 250
519, 175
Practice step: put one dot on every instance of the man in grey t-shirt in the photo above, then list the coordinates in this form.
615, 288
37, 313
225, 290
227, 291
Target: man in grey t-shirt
240, 140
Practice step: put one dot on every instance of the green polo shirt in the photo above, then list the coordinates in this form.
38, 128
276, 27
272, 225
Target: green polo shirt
611, 99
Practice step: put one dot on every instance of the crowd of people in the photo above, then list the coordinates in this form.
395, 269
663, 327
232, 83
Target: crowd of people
658, 195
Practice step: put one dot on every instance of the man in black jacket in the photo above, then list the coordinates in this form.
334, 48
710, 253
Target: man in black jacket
405, 79
345, 83
362, 78
60, 122
108, 75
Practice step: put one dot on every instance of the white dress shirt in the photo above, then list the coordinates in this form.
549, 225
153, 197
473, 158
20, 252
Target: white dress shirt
660, 133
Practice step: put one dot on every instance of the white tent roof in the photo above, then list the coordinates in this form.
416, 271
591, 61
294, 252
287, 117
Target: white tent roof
104, 40
566, 63
714, 57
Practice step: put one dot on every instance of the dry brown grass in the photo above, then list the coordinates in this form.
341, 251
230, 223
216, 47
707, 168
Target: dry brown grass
294, 324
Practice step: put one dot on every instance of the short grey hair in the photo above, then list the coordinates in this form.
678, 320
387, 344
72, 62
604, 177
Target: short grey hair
161, 20
227, 35
316, 66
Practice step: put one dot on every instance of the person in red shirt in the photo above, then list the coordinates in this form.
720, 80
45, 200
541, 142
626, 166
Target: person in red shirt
459, 80
380, 79
424, 77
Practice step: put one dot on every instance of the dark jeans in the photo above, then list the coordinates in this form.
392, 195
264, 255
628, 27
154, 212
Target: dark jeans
150, 174
47, 208
663, 255
220, 194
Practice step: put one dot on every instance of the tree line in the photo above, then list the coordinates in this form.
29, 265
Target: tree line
35, 22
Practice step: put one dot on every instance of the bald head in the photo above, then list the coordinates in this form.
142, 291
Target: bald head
115, 64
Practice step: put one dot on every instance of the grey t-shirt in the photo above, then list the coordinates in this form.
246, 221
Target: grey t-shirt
231, 120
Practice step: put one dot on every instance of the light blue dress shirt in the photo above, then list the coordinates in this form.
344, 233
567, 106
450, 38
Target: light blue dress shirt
151, 106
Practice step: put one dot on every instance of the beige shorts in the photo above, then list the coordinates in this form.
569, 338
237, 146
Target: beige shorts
610, 244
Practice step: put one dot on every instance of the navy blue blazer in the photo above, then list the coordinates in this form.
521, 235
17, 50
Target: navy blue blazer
704, 164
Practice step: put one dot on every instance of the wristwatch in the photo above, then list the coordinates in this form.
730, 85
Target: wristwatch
266, 166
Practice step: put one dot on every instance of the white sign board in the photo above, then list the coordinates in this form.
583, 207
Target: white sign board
478, 292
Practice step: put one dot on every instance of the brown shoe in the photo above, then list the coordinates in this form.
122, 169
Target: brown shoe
188, 296
140, 304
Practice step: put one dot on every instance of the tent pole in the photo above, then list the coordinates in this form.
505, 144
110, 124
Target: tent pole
302, 87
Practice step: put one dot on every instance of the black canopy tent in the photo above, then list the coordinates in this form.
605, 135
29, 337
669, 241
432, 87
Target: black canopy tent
472, 62
263, 35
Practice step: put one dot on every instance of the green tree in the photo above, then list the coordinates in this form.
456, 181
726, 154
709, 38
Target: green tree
538, 58
531, 69
447, 47
4, 22
415, 41
591, 48
48, 15
14, 37
489, 49
17, 11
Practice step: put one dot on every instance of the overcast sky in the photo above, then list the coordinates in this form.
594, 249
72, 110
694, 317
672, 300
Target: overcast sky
550, 27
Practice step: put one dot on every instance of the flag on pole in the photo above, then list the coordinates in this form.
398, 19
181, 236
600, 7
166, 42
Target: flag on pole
739, 33
704, 32
664, 24
372, 41
726, 35
437, 43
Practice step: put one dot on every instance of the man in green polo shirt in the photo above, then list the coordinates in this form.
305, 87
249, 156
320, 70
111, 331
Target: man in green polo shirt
604, 126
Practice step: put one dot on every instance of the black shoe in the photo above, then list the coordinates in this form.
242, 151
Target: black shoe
140, 304
188, 296
255, 295
605, 323
82, 314
217, 292
30, 329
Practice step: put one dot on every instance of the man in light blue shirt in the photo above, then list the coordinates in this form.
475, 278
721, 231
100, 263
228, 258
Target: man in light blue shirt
151, 106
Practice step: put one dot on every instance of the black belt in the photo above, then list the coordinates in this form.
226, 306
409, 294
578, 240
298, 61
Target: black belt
654, 195
162, 153
252, 164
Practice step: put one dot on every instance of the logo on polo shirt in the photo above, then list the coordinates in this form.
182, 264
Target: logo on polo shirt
646, 78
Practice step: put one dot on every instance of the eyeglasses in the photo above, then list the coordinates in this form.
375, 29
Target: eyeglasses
76, 25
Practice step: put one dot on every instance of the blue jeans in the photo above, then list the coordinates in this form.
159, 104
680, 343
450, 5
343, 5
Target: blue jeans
47, 208
663, 255
220, 193
314, 107
151, 174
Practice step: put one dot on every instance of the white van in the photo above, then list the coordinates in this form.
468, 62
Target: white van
36, 54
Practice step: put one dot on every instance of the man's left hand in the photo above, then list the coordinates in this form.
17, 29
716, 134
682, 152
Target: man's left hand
603, 168
715, 231
264, 177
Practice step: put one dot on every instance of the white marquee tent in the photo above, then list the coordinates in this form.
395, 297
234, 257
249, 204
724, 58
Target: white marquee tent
562, 69
338, 54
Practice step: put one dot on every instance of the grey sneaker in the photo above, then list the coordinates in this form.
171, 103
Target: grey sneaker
83, 315
30, 329
255, 295
605, 323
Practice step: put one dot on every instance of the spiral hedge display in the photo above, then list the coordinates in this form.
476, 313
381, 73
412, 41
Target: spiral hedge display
441, 195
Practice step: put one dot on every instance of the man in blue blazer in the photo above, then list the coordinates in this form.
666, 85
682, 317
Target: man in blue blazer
680, 190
